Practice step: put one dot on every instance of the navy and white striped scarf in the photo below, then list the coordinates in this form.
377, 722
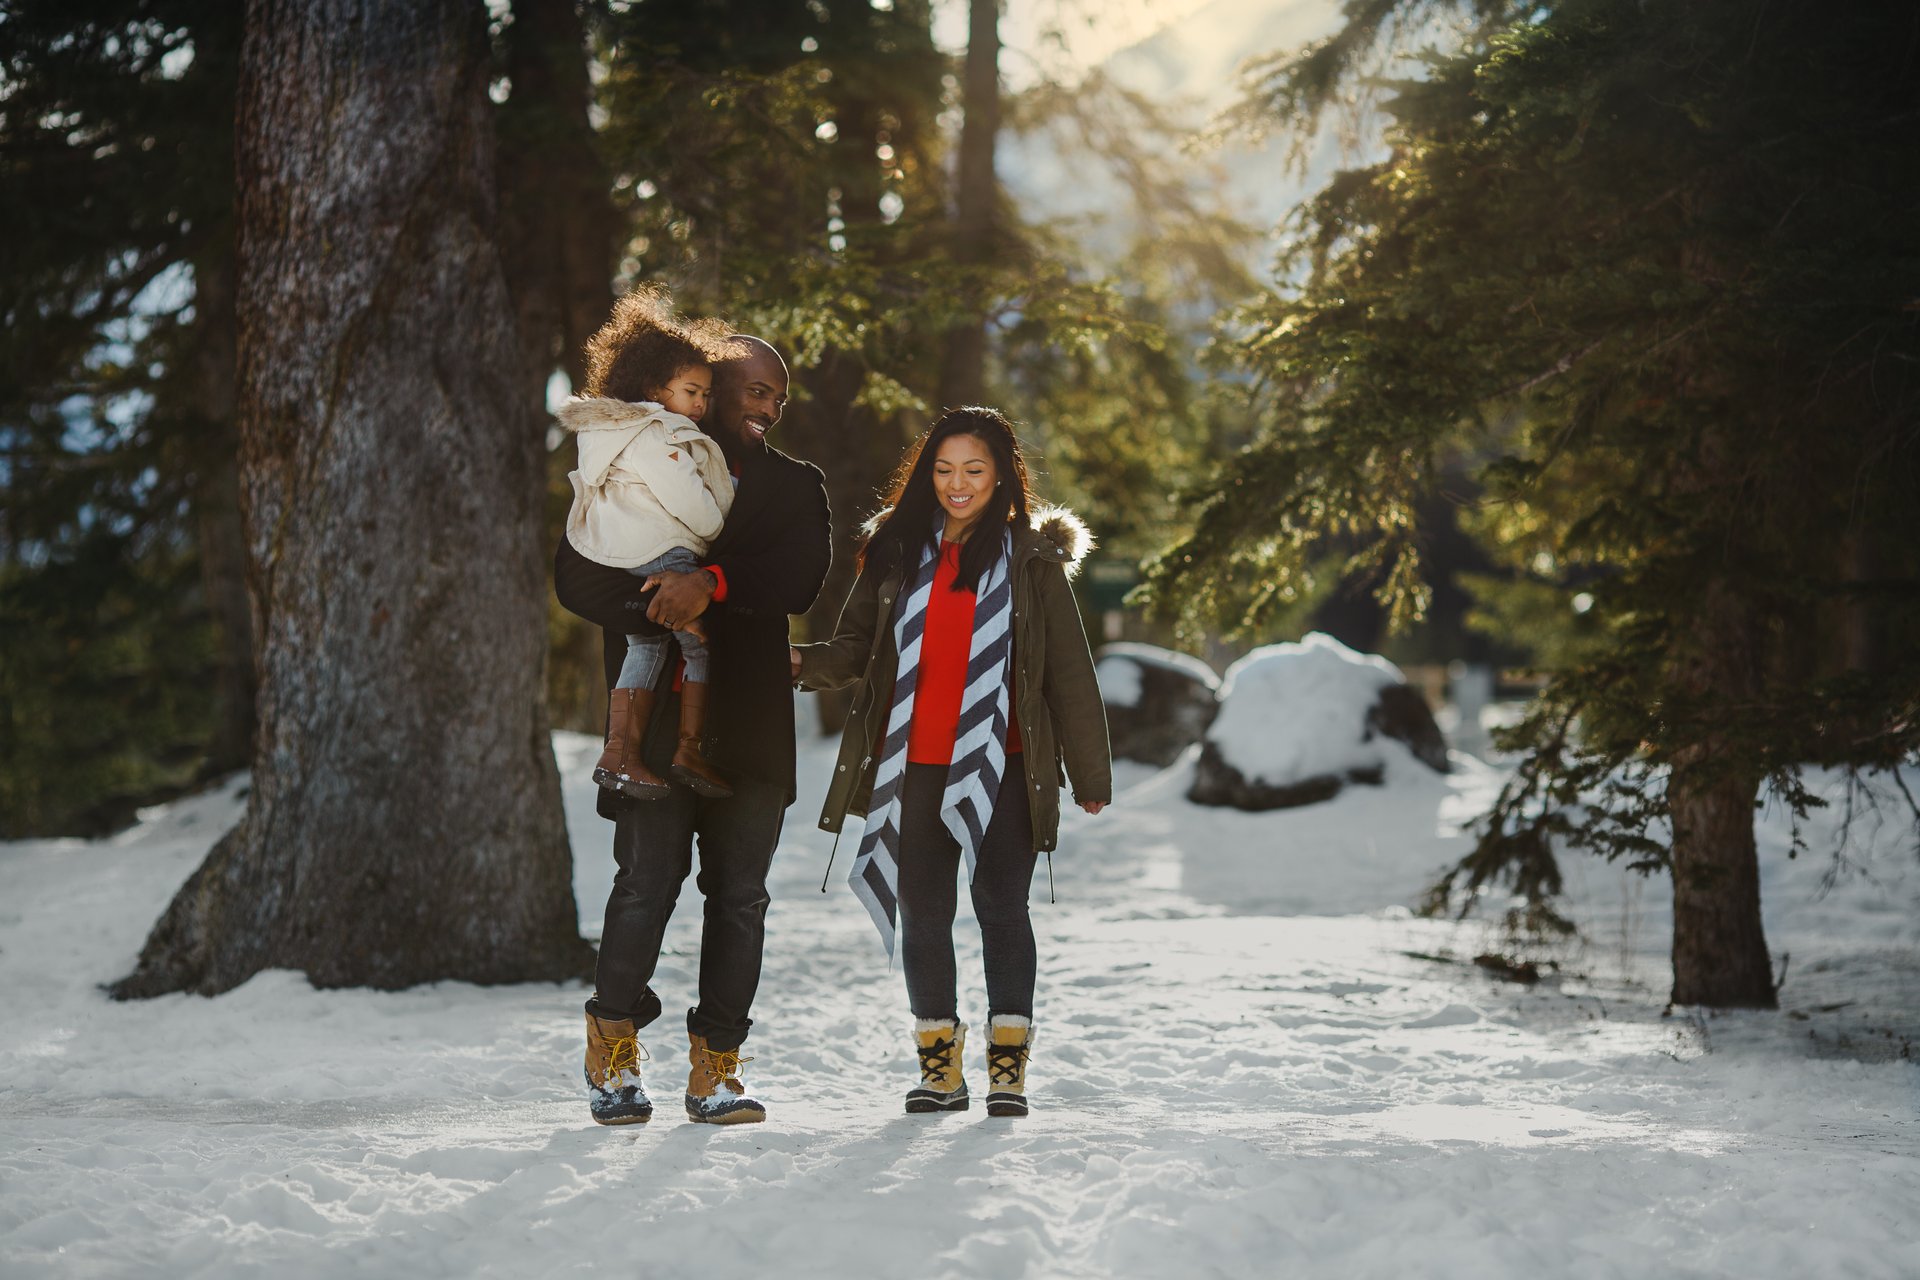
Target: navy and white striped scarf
980, 737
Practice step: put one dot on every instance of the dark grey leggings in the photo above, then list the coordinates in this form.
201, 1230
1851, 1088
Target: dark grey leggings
929, 868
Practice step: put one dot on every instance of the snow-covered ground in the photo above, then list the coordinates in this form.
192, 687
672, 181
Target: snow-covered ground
1250, 1061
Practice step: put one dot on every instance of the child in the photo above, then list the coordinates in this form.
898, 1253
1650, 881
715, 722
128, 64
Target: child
650, 495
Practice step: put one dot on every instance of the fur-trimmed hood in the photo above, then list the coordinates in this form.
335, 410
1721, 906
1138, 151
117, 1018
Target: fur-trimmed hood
604, 428
1067, 533
1056, 532
602, 413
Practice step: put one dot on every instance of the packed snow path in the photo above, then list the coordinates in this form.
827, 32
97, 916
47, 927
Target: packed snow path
1248, 1061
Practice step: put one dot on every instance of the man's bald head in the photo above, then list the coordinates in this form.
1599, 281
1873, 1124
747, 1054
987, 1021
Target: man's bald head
745, 346
749, 394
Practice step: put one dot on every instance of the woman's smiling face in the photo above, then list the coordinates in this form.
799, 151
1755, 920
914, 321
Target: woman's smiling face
963, 479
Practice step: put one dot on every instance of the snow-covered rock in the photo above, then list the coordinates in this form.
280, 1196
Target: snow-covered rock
1299, 721
1159, 702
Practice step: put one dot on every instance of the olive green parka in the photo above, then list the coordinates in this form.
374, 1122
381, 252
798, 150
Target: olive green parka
1063, 723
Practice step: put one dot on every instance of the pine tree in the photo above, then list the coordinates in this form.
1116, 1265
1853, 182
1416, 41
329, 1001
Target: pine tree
404, 821
1647, 270
126, 670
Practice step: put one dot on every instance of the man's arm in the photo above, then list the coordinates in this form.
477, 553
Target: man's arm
605, 596
782, 576
785, 576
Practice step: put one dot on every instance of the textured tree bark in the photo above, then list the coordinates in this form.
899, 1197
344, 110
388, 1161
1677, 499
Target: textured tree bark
963, 371
219, 534
404, 823
1718, 661
1719, 948
1719, 945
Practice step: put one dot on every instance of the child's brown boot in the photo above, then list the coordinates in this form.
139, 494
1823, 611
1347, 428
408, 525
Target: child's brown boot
689, 766
620, 767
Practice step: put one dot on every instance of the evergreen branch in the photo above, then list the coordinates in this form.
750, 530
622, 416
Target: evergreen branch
1563, 365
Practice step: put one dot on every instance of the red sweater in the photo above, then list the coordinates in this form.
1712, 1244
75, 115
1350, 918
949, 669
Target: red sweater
942, 679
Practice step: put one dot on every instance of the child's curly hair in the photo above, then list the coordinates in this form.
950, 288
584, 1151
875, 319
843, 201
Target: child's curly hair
637, 352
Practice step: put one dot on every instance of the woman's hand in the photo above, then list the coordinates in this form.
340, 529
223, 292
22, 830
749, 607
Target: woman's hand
1093, 806
793, 660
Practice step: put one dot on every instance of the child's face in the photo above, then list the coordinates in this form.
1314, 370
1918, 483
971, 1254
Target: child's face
688, 391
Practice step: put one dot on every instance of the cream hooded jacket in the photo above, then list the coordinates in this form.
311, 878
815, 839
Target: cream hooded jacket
649, 481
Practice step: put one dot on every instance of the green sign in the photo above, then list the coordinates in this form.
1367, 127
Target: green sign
1108, 582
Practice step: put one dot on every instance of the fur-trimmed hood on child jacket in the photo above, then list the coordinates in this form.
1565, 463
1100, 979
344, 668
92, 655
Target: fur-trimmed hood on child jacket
649, 480
1063, 722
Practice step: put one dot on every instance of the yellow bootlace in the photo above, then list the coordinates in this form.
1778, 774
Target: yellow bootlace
725, 1063
625, 1053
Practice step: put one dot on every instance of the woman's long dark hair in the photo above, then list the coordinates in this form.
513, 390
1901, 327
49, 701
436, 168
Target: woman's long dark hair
906, 526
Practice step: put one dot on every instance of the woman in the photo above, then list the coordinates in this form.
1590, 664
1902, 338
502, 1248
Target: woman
956, 751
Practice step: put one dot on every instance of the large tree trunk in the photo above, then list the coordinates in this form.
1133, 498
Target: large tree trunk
1717, 662
219, 535
963, 371
404, 823
1719, 946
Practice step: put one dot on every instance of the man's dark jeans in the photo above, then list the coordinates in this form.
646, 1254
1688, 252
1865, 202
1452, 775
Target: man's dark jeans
653, 844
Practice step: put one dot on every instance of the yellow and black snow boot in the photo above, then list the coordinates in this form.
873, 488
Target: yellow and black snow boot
939, 1042
715, 1092
1009, 1038
614, 1056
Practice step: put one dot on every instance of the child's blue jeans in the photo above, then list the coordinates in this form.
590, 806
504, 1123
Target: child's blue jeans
646, 655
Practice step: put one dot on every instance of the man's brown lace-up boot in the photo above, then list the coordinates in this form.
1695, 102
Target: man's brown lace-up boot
614, 1056
715, 1092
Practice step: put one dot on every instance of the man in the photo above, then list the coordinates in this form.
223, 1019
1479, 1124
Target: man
767, 563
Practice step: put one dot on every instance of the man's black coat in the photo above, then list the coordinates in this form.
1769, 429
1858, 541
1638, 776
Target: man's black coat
774, 552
